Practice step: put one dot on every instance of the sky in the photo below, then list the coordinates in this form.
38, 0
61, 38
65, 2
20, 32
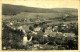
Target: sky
44, 3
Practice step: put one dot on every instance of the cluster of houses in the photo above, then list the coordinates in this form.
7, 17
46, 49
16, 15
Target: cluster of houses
44, 30
48, 30
52, 31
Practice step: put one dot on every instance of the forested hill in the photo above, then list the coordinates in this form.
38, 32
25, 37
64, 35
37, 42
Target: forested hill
8, 9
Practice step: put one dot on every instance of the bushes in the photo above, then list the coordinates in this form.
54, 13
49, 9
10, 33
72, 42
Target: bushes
71, 27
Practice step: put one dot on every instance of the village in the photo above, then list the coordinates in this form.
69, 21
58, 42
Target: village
42, 33
25, 27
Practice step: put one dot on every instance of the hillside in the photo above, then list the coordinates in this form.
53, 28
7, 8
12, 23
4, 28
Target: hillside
8, 9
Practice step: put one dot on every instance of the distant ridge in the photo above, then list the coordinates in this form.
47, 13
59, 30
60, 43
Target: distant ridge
8, 9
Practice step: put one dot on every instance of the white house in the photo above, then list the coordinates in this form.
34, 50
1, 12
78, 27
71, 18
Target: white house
37, 29
10, 23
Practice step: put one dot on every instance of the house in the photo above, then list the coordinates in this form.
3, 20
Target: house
55, 28
36, 45
59, 34
69, 35
49, 27
37, 29
45, 35
52, 34
10, 23
20, 28
48, 31
34, 32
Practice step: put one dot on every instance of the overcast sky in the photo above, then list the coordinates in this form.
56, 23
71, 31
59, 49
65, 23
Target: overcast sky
45, 3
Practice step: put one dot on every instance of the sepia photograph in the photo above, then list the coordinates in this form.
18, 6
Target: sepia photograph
38, 28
